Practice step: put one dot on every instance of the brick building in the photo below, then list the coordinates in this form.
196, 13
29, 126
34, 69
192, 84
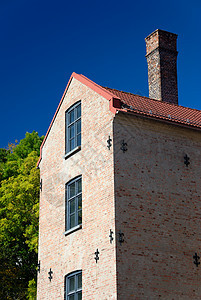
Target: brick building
120, 206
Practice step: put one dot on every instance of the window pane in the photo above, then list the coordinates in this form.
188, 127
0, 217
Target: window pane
71, 116
72, 190
78, 111
72, 144
71, 284
79, 281
72, 297
79, 217
72, 220
80, 202
79, 296
78, 123
79, 139
71, 131
72, 206
79, 183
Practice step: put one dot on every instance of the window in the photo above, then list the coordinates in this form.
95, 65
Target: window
73, 127
74, 203
73, 286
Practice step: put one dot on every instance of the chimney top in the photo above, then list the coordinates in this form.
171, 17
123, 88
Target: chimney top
162, 32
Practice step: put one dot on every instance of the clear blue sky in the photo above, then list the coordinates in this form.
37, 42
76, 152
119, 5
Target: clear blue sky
43, 42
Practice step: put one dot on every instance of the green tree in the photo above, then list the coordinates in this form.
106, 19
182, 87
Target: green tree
19, 204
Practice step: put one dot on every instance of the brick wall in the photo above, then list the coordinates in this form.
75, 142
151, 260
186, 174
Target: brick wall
65, 254
158, 208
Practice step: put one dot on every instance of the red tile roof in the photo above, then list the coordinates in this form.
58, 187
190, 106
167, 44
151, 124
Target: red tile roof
158, 109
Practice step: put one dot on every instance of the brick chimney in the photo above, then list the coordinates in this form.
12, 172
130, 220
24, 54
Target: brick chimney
161, 54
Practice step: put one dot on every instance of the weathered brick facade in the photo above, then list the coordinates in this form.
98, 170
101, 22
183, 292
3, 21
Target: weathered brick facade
138, 187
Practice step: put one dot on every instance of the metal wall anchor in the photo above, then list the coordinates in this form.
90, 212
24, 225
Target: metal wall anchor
96, 257
50, 274
196, 259
38, 267
123, 146
186, 160
121, 237
109, 145
110, 236
41, 185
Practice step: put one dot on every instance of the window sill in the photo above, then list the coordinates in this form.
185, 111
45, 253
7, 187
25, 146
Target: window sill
73, 229
72, 152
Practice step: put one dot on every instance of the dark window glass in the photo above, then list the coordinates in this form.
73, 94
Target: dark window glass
74, 203
71, 190
78, 126
79, 139
72, 116
79, 111
71, 131
73, 127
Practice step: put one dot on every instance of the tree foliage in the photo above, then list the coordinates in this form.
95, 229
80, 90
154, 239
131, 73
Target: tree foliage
19, 204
